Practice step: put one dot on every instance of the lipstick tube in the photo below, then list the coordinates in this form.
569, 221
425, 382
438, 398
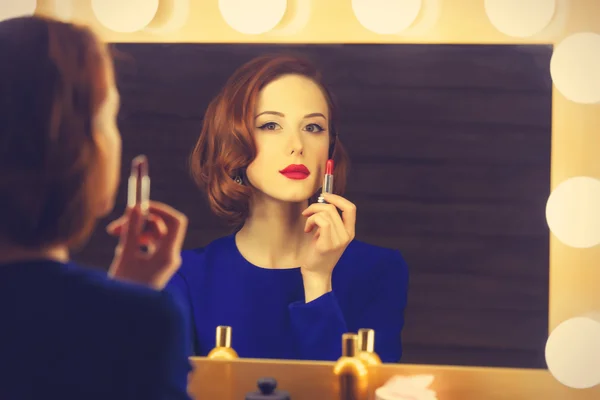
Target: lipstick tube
138, 186
327, 182
138, 192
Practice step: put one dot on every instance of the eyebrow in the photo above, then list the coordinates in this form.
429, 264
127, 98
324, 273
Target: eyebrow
283, 115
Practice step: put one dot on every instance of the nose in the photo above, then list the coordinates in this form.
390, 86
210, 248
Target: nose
297, 143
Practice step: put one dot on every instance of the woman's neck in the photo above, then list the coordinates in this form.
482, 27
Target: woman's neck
10, 253
273, 234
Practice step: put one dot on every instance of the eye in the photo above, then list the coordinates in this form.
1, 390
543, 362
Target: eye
270, 126
314, 128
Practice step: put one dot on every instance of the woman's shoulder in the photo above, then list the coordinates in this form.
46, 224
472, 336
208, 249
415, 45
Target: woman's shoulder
366, 258
98, 284
105, 298
359, 250
218, 245
219, 251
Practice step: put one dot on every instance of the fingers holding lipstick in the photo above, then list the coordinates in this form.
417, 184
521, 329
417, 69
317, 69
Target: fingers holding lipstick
154, 228
330, 234
338, 231
162, 224
348, 209
333, 233
325, 214
154, 265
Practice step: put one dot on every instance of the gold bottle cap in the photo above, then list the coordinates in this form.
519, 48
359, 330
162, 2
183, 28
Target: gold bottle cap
349, 344
223, 336
366, 340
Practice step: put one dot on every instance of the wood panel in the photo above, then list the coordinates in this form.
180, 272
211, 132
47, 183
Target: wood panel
450, 149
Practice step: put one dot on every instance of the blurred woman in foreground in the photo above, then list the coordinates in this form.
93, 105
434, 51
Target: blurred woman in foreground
69, 332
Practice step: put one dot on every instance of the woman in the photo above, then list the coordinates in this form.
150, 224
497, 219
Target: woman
69, 332
292, 279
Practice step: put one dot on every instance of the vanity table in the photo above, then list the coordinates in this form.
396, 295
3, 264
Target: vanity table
306, 380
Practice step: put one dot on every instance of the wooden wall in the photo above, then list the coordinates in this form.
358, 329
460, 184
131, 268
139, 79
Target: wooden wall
450, 149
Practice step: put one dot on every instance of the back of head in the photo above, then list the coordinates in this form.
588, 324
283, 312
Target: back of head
52, 81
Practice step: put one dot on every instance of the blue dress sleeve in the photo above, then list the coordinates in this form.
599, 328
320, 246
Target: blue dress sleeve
177, 287
385, 305
318, 327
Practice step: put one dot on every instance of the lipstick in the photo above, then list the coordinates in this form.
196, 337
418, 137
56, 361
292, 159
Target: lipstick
138, 189
327, 182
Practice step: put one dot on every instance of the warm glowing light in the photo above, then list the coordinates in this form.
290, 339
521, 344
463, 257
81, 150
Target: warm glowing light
573, 352
60, 9
575, 67
573, 212
252, 17
16, 8
520, 18
125, 16
386, 17
171, 16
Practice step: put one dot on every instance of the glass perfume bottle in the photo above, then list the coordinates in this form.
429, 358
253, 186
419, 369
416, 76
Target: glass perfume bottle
366, 347
351, 371
223, 350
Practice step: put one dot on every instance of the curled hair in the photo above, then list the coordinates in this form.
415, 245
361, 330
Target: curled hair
226, 147
51, 86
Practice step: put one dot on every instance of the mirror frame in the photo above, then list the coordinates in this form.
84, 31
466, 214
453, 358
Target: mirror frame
575, 127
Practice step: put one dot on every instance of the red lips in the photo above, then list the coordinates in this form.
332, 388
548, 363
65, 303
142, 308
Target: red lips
295, 171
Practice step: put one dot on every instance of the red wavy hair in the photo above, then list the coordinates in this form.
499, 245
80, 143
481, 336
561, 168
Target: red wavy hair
50, 91
226, 147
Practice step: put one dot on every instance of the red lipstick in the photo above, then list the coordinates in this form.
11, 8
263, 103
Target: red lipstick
329, 167
295, 172
327, 182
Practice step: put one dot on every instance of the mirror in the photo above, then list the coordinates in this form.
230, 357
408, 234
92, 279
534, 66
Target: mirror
450, 164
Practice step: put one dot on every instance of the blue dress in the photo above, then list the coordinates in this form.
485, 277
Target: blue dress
216, 285
73, 333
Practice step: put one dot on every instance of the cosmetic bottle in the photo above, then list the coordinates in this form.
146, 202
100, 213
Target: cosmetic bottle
366, 347
223, 350
267, 391
351, 372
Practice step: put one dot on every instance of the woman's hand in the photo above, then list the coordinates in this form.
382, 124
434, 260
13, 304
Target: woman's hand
162, 233
332, 234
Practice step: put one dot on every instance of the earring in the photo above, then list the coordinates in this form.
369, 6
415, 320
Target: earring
238, 180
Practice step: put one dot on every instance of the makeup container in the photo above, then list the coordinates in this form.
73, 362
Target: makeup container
268, 391
223, 350
351, 372
366, 347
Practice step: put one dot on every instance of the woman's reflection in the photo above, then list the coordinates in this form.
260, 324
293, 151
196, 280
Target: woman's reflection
291, 279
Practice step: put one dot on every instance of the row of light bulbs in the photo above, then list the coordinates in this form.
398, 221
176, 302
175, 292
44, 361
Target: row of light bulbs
575, 65
572, 349
573, 208
516, 18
